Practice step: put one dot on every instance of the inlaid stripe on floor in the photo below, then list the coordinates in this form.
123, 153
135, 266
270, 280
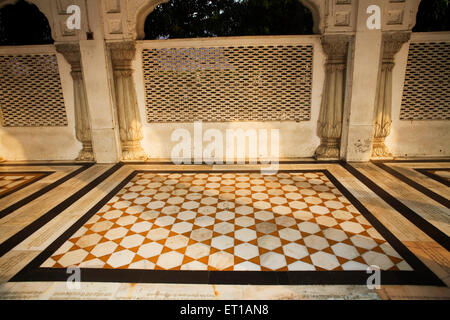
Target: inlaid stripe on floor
25, 232
429, 193
419, 221
441, 175
11, 207
297, 227
11, 182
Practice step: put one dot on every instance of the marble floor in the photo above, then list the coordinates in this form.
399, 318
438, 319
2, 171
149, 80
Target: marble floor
228, 221
441, 175
157, 231
10, 182
445, 174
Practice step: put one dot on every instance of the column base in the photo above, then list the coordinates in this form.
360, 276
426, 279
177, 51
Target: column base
132, 150
327, 150
325, 158
382, 158
86, 154
379, 150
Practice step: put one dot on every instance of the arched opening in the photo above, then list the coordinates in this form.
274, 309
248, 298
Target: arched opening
221, 18
433, 15
23, 24
252, 64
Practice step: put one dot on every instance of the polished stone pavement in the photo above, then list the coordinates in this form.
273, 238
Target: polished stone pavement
158, 231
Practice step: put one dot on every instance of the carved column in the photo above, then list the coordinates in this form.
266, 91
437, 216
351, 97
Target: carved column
392, 42
71, 52
130, 125
329, 125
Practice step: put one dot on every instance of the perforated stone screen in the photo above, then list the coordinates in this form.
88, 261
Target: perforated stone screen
425, 94
230, 83
31, 94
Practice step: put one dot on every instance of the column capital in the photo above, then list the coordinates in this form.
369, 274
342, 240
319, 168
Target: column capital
392, 42
335, 47
71, 52
122, 53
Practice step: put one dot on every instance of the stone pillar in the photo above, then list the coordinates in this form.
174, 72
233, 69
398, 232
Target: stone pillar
130, 125
71, 52
329, 125
98, 80
391, 42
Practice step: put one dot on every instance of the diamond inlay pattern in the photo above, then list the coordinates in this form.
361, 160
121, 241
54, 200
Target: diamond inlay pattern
228, 221
11, 181
251, 83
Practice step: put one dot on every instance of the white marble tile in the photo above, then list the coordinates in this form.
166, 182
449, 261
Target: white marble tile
170, 260
121, 258
221, 260
324, 260
272, 260
246, 251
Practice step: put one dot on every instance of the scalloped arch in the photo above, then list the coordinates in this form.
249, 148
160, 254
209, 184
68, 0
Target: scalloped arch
43, 6
149, 5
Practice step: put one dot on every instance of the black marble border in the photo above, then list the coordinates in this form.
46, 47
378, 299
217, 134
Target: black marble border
421, 223
425, 172
429, 160
26, 184
44, 163
429, 193
17, 238
306, 161
13, 207
420, 275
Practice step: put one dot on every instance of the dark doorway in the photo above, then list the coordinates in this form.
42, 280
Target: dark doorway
23, 24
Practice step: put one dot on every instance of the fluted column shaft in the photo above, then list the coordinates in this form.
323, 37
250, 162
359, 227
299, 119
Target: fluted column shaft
71, 52
392, 43
329, 125
130, 125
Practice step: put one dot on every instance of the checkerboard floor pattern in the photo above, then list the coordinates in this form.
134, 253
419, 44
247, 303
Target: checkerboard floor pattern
11, 181
228, 221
